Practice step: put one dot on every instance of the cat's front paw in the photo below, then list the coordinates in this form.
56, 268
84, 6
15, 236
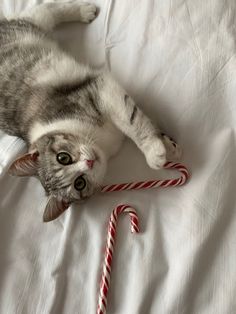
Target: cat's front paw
173, 150
88, 12
156, 154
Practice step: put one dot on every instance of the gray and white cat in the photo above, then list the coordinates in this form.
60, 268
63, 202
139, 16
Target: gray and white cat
72, 117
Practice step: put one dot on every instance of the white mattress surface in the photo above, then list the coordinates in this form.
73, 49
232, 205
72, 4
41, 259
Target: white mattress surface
177, 59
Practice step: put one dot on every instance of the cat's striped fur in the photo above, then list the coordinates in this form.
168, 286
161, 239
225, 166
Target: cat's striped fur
58, 105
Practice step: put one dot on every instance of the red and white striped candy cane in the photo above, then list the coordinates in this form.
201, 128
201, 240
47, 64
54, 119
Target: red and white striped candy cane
152, 183
106, 272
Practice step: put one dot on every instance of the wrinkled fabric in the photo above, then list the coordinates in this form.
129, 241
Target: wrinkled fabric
177, 59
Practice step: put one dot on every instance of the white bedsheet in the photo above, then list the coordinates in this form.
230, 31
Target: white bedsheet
177, 59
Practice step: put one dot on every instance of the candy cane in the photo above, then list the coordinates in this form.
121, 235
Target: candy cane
106, 272
152, 183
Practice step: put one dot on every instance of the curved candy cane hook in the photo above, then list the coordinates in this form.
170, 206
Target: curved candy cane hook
111, 234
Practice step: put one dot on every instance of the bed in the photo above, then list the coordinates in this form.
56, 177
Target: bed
176, 58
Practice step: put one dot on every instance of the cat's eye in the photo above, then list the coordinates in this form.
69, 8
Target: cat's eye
64, 159
80, 183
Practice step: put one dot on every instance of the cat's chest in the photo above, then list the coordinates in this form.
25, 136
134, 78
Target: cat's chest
109, 138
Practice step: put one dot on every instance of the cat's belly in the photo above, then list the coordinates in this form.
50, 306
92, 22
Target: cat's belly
109, 138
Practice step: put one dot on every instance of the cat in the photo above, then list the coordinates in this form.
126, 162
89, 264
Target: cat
72, 117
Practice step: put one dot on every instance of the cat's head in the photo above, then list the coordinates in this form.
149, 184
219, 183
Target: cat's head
70, 169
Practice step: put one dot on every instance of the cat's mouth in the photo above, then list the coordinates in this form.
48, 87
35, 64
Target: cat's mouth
92, 159
93, 162
96, 156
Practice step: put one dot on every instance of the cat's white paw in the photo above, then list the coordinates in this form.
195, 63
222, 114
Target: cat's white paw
173, 150
156, 154
87, 12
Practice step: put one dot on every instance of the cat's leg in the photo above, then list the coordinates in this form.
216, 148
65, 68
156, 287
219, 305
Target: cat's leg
126, 115
48, 15
129, 118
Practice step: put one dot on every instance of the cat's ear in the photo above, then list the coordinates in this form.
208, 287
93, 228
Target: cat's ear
25, 165
54, 208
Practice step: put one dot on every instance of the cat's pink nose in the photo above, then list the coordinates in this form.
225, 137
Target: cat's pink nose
90, 163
